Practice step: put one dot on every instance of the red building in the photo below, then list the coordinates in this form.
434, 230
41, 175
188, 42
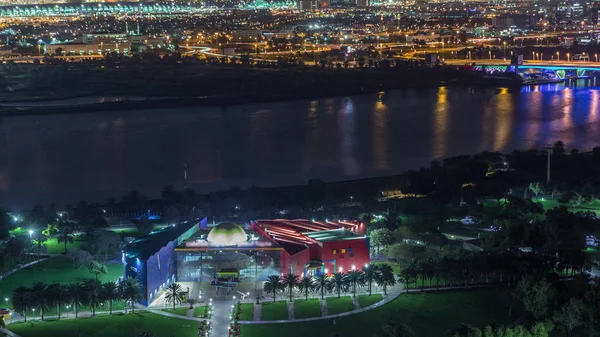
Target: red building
315, 247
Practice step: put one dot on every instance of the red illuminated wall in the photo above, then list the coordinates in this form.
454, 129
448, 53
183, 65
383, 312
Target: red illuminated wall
296, 261
356, 254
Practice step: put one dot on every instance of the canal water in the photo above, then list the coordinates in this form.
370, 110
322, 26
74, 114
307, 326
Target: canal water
66, 157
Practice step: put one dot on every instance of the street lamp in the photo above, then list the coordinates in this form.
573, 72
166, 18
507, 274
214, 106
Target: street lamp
596, 55
30, 233
504, 43
568, 57
558, 56
533, 55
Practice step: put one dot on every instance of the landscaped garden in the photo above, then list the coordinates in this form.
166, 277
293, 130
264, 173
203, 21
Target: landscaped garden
365, 300
307, 309
56, 269
274, 311
427, 314
55, 247
202, 311
338, 305
113, 326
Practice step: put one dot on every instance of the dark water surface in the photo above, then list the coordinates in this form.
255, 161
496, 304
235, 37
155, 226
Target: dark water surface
65, 157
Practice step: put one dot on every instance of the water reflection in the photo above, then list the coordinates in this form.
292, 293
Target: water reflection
63, 158
379, 134
440, 142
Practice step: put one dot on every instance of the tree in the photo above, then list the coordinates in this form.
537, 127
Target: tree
144, 226
110, 293
535, 188
76, 295
93, 291
355, 277
394, 329
368, 275
130, 290
539, 329
64, 230
104, 243
385, 277
570, 315
80, 258
535, 297
381, 237
97, 268
174, 294
20, 300
290, 281
56, 296
398, 252
39, 297
272, 285
306, 285
340, 282
322, 284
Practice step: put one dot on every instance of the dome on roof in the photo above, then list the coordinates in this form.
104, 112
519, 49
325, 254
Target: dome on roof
227, 234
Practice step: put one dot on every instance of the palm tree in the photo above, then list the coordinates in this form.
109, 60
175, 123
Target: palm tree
39, 297
368, 275
76, 295
130, 290
56, 296
93, 290
306, 285
322, 283
355, 277
20, 300
385, 277
340, 282
291, 281
110, 292
174, 294
65, 233
273, 284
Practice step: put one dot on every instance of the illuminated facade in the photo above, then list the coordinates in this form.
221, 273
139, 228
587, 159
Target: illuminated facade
228, 255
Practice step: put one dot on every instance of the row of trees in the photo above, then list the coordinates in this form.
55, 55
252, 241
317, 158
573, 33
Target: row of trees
91, 293
379, 274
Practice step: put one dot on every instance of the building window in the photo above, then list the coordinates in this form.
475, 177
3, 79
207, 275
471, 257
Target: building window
335, 251
343, 250
350, 250
351, 255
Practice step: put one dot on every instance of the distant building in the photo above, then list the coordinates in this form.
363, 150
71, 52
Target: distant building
363, 3
513, 20
308, 4
246, 35
96, 48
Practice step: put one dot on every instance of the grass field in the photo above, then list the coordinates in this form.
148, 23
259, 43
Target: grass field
274, 311
54, 247
177, 311
366, 300
114, 326
247, 312
56, 269
307, 309
338, 305
427, 314
199, 311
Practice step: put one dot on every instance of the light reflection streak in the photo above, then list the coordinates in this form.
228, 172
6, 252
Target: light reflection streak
441, 124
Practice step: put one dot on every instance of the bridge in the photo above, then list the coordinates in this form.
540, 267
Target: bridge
560, 68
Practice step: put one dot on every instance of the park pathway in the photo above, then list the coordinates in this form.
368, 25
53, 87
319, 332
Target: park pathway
290, 310
355, 302
323, 304
220, 318
22, 266
9, 333
257, 312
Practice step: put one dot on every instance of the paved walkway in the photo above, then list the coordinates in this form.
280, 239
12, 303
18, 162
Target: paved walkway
290, 310
220, 319
9, 333
21, 266
257, 312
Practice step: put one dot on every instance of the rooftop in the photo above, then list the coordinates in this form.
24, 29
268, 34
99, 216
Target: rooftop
148, 245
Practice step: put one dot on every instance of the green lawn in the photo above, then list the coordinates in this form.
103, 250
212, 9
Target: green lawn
54, 247
199, 311
177, 311
274, 311
247, 312
113, 326
56, 269
338, 305
307, 309
427, 314
366, 300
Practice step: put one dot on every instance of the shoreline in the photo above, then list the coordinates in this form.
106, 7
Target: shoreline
222, 101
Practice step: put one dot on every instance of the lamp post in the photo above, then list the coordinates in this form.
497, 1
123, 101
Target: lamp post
504, 44
596, 55
558, 56
568, 57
